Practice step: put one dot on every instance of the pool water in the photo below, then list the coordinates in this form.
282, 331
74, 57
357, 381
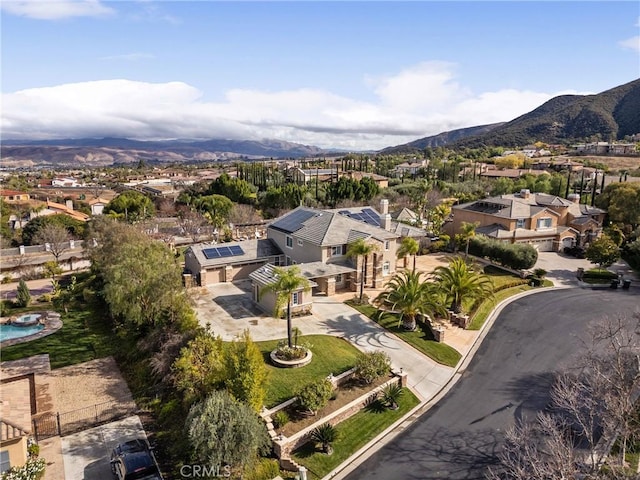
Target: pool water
9, 332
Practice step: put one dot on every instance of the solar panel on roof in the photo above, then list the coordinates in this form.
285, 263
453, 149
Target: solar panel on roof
222, 252
293, 222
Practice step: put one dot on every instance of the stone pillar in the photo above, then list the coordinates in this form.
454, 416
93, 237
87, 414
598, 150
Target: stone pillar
187, 279
203, 277
228, 273
331, 286
21, 249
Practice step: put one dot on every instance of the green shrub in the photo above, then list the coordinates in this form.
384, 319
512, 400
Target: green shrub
280, 418
597, 273
264, 469
5, 307
519, 256
315, 395
372, 365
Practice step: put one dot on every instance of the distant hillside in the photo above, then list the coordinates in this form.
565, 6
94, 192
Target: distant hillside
109, 151
441, 139
612, 114
566, 119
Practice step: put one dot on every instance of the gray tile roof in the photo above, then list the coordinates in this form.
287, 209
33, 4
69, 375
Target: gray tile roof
265, 274
325, 228
253, 250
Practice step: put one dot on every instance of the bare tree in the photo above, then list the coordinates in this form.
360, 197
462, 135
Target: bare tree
593, 404
56, 236
193, 224
242, 214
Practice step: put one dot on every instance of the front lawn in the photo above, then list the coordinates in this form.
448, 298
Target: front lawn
353, 434
330, 355
421, 338
83, 337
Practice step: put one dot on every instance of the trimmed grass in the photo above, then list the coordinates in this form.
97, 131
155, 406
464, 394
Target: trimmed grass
330, 355
353, 434
420, 339
486, 307
83, 337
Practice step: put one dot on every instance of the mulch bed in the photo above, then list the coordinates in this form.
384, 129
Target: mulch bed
346, 393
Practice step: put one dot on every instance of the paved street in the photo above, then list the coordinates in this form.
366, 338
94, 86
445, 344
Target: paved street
508, 379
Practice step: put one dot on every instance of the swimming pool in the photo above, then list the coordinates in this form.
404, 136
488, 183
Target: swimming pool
10, 332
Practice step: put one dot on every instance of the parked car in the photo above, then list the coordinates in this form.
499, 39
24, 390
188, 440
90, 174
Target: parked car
134, 460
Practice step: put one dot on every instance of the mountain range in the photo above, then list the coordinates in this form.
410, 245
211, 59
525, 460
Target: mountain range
610, 115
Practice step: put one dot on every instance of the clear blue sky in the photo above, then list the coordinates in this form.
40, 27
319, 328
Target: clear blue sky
346, 74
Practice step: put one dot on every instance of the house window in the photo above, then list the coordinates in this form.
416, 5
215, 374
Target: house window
386, 244
520, 223
386, 268
544, 222
337, 251
5, 462
296, 297
339, 278
288, 260
300, 243
289, 242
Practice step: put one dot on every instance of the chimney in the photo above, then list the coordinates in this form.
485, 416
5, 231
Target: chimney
385, 221
384, 206
524, 193
69, 204
574, 197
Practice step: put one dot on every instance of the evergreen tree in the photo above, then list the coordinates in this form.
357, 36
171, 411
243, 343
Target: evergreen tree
23, 296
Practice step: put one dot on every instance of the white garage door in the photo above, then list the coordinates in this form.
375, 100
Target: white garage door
544, 245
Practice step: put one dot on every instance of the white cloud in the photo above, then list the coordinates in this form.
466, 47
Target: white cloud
55, 9
418, 101
632, 43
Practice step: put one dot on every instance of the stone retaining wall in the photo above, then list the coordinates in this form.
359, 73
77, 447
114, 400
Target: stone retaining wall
283, 446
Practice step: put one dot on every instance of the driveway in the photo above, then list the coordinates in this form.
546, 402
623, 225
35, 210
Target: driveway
562, 268
87, 454
507, 379
330, 317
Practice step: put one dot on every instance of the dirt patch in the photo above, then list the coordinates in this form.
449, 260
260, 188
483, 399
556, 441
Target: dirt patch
90, 383
346, 393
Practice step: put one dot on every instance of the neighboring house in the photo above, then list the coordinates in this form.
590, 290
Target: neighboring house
66, 209
66, 182
302, 177
409, 168
14, 196
25, 391
13, 445
381, 181
606, 148
548, 222
97, 205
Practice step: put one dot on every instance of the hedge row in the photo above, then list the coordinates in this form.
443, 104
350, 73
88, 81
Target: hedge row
519, 256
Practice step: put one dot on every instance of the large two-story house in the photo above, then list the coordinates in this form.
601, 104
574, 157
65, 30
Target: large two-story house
548, 222
314, 240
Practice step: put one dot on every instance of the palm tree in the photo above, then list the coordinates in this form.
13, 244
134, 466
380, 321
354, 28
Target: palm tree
409, 246
360, 248
459, 281
325, 434
467, 232
287, 282
409, 294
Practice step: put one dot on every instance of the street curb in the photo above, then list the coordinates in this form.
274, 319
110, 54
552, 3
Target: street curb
410, 417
